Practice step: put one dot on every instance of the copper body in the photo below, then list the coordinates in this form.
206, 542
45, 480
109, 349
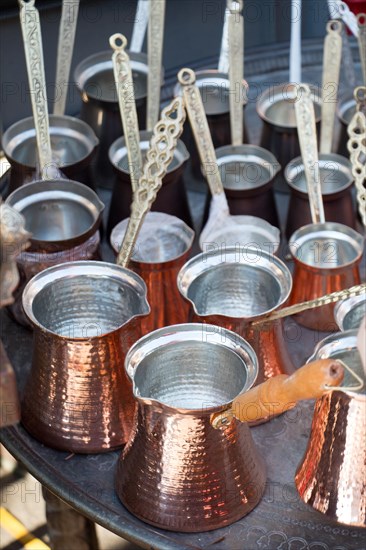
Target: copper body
172, 197
332, 475
166, 303
312, 278
85, 317
177, 472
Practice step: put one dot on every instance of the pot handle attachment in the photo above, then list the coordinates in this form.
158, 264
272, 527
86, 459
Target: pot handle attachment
127, 106
236, 69
281, 393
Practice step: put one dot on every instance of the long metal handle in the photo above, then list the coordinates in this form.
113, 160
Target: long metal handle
236, 69
198, 120
361, 22
357, 149
69, 18
295, 45
160, 154
331, 298
155, 57
223, 65
31, 30
140, 26
127, 105
306, 128
331, 68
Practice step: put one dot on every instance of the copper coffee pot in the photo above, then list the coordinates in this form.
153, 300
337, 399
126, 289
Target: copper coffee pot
184, 378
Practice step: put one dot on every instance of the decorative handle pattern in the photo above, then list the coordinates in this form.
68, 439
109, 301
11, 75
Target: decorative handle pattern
139, 28
236, 69
331, 68
162, 146
331, 298
200, 129
127, 105
155, 55
357, 149
69, 17
361, 22
31, 31
306, 128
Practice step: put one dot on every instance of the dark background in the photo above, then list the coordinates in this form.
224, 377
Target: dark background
193, 31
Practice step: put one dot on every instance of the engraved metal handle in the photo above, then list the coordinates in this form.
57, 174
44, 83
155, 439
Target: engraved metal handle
197, 118
357, 149
361, 22
140, 26
331, 68
295, 45
155, 56
306, 128
69, 17
159, 156
127, 105
236, 69
31, 31
223, 65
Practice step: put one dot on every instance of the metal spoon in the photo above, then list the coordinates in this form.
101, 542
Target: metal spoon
155, 55
236, 69
127, 105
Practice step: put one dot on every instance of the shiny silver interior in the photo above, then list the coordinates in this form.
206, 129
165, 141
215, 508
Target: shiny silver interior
346, 108
94, 76
245, 166
56, 210
162, 238
349, 313
235, 285
72, 140
192, 367
84, 299
276, 105
343, 346
335, 173
119, 158
326, 245
215, 91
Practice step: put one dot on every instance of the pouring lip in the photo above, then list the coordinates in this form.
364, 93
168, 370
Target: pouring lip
82, 268
206, 261
178, 333
346, 340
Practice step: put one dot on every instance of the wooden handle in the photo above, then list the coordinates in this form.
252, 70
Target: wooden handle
281, 393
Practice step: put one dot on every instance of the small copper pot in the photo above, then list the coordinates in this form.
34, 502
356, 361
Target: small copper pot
336, 180
346, 108
327, 257
63, 217
73, 144
177, 471
331, 476
172, 197
163, 246
94, 78
233, 287
349, 313
85, 316
247, 174
276, 108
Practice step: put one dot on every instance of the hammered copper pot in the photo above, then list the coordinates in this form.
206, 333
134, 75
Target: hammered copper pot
172, 197
163, 246
336, 181
232, 287
326, 259
73, 145
332, 474
177, 471
85, 317
63, 217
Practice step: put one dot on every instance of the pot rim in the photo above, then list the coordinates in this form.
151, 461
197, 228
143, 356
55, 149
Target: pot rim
263, 101
178, 333
118, 150
193, 268
303, 234
296, 165
187, 230
342, 308
11, 139
32, 192
329, 344
79, 268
